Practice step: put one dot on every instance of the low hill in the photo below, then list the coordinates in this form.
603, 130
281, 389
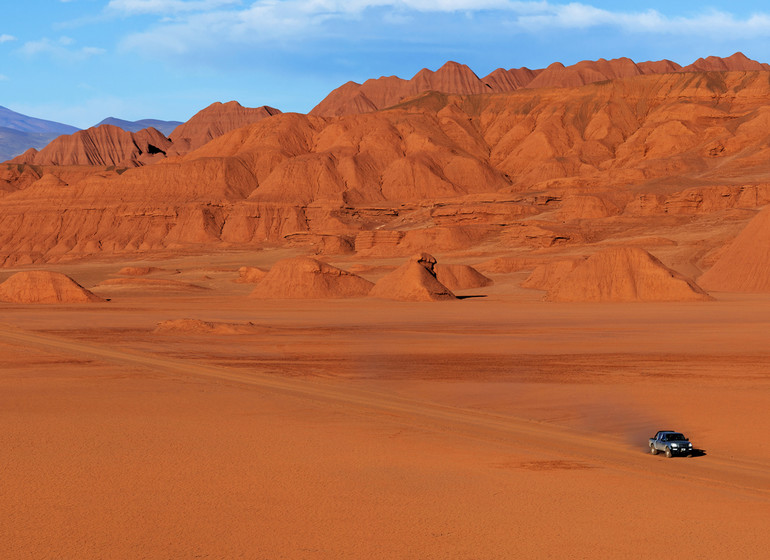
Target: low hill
164, 127
745, 264
307, 278
105, 145
624, 274
39, 286
18, 133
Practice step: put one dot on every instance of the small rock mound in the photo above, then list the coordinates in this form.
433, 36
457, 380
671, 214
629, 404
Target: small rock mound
460, 276
625, 274
39, 286
250, 274
307, 278
148, 284
413, 281
196, 326
138, 270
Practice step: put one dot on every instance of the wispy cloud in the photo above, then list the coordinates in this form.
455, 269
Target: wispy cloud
188, 26
583, 16
166, 7
5, 38
63, 48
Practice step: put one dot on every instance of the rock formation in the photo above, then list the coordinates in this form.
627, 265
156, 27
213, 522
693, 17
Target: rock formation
737, 62
214, 121
510, 174
547, 276
138, 270
307, 278
40, 286
624, 274
745, 264
413, 281
460, 276
105, 145
250, 274
380, 93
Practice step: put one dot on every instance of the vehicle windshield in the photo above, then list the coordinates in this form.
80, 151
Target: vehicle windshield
676, 437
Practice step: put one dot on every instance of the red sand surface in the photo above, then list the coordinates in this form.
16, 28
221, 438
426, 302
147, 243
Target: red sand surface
488, 427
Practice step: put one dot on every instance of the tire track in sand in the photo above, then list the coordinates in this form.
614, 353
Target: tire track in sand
507, 431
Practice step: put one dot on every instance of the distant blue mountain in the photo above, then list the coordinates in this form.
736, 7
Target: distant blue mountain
19, 132
23, 123
134, 126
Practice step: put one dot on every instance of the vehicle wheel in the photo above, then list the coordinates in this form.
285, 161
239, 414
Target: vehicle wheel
653, 450
668, 452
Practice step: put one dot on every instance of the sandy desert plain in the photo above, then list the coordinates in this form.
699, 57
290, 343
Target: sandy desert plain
489, 427
189, 410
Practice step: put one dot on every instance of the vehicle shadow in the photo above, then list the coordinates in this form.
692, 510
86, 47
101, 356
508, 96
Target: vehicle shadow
692, 454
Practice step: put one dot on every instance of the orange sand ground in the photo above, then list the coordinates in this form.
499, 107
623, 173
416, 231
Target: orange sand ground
489, 427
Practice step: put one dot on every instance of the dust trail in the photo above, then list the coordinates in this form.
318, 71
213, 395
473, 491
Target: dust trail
628, 421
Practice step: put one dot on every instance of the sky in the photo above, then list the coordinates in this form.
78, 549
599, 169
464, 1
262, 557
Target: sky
80, 61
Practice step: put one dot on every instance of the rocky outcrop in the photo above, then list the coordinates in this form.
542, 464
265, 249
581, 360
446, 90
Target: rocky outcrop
745, 264
624, 274
214, 121
40, 286
460, 276
307, 278
105, 145
413, 281
531, 171
250, 274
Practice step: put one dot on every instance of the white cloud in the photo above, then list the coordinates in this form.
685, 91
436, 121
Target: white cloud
166, 7
4, 38
63, 49
192, 25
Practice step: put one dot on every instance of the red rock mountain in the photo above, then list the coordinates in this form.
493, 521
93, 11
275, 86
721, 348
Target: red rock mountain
735, 62
673, 163
214, 121
108, 145
103, 145
384, 92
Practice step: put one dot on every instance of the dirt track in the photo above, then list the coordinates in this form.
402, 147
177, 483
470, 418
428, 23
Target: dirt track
749, 476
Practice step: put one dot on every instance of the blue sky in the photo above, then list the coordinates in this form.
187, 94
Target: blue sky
79, 61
